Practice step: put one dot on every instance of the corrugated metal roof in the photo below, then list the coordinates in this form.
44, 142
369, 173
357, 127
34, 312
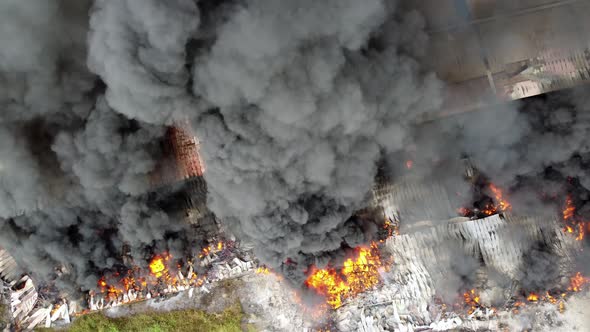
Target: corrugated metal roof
494, 51
500, 244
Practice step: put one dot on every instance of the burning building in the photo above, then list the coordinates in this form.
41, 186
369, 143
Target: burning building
178, 183
181, 160
178, 188
505, 50
113, 203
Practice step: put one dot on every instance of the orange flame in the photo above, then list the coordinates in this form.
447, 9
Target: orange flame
391, 229
577, 282
569, 210
211, 248
102, 283
490, 210
463, 211
502, 204
572, 225
157, 266
262, 270
581, 232
357, 275
550, 298
471, 298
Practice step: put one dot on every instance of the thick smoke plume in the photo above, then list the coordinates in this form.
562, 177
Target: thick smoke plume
310, 95
78, 140
295, 103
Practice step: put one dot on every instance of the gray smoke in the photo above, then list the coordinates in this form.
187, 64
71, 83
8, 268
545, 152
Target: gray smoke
76, 160
305, 110
295, 103
138, 49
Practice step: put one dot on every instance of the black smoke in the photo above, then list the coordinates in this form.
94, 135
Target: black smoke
309, 97
295, 103
77, 138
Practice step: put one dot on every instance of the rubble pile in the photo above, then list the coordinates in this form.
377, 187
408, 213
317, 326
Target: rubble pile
273, 305
401, 296
220, 261
407, 300
10, 272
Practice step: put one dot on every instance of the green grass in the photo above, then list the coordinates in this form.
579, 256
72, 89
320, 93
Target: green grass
173, 321
3, 314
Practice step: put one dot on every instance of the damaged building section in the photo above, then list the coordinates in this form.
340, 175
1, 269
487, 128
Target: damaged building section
488, 257
215, 263
335, 165
179, 189
177, 181
466, 274
498, 51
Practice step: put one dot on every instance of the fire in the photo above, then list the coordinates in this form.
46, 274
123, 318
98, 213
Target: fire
262, 270
55, 308
163, 275
519, 304
358, 274
137, 283
490, 210
577, 282
471, 298
102, 283
502, 204
581, 231
533, 297
157, 266
572, 224
390, 229
205, 252
550, 298
328, 283
128, 283
409, 164
211, 248
569, 210
499, 204
465, 212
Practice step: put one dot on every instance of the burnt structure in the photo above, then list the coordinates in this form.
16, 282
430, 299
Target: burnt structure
178, 184
491, 51
181, 160
488, 52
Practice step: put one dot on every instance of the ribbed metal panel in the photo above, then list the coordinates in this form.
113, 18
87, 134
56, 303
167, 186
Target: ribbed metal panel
425, 257
501, 50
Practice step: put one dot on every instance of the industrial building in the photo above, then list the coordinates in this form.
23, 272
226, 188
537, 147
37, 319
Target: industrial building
488, 52
491, 51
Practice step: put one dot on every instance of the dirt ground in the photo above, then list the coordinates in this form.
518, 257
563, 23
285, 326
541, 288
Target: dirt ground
268, 303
